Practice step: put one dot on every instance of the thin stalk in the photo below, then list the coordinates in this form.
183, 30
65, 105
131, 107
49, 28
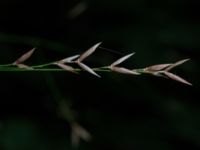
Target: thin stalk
30, 70
43, 65
6, 65
40, 69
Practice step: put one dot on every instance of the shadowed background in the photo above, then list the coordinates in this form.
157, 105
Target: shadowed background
120, 111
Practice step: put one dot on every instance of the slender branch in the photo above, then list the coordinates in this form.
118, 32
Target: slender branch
6, 65
43, 65
160, 70
40, 68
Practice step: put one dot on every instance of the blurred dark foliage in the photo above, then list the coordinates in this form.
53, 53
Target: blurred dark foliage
121, 112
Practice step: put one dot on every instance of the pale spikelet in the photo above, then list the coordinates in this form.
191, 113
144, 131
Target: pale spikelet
86, 68
66, 67
124, 70
69, 59
88, 52
157, 67
121, 69
84, 56
24, 57
180, 62
119, 61
23, 66
175, 77
78, 133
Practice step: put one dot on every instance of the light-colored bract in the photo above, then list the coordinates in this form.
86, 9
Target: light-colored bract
88, 69
119, 61
66, 67
122, 70
88, 52
69, 59
157, 67
176, 78
84, 56
180, 62
24, 57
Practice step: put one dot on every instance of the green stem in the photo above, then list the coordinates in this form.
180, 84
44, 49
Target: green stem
43, 65
29, 70
6, 65
39, 69
140, 70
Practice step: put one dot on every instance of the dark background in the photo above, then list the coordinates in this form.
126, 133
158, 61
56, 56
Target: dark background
120, 112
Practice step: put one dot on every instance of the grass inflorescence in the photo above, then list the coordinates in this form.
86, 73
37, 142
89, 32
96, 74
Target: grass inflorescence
159, 70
